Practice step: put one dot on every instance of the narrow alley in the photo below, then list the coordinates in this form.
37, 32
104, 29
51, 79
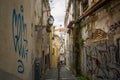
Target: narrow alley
59, 39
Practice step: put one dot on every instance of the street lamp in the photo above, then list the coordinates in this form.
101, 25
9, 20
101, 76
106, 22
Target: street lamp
50, 20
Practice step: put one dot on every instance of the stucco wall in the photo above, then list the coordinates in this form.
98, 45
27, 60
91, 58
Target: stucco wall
16, 39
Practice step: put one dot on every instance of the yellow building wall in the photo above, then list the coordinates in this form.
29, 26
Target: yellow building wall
55, 55
54, 58
51, 46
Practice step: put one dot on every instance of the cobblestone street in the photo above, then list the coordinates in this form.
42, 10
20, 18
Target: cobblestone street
65, 74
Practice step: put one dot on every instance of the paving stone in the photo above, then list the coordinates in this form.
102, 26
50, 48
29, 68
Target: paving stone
65, 74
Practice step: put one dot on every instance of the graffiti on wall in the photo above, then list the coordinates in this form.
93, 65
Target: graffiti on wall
114, 26
102, 61
20, 66
19, 34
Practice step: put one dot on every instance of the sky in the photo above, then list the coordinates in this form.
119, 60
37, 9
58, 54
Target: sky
58, 8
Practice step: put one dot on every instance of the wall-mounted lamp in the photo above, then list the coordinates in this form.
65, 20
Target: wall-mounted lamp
50, 20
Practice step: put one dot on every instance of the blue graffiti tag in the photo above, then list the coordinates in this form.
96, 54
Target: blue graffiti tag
19, 32
21, 66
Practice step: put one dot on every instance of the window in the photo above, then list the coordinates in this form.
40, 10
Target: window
53, 52
85, 4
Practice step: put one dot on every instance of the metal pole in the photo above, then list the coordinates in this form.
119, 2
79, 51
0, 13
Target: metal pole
58, 70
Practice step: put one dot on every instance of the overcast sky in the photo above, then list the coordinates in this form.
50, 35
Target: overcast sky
58, 11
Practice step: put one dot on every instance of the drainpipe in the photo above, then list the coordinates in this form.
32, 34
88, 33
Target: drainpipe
92, 9
42, 12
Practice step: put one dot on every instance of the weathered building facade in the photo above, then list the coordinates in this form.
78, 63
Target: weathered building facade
72, 33
24, 40
98, 36
101, 33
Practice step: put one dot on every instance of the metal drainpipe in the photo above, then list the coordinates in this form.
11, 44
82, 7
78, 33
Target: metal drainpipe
76, 12
93, 9
42, 12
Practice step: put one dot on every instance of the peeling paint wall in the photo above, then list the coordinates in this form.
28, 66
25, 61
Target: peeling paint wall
101, 32
102, 20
